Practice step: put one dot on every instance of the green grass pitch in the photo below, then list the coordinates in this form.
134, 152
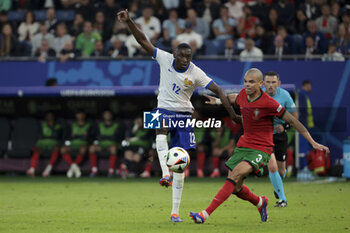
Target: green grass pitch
102, 205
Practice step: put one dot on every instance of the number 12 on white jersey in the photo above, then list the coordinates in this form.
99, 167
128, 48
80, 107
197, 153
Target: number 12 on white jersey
176, 88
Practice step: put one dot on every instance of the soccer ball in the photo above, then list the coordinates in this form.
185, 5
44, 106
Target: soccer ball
177, 159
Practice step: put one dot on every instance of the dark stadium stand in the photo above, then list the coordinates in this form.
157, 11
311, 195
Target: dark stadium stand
4, 135
23, 137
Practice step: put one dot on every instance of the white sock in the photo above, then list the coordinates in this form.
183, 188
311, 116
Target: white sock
178, 184
260, 202
48, 168
94, 169
162, 150
205, 213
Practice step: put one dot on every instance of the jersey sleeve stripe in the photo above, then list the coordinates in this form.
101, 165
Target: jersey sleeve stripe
208, 85
284, 111
155, 53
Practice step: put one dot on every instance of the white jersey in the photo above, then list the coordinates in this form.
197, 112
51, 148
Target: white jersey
176, 87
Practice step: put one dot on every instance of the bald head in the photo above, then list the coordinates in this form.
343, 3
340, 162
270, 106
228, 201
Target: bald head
255, 73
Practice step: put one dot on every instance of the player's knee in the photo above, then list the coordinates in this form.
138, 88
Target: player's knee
272, 167
137, 158
236, 176
200, 148
237, 188
128, 155
63, 150
92, 149
82, 150
113, 150
281, 171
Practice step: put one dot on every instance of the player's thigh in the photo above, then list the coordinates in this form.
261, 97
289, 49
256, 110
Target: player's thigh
257, 159
242, 170
281, 145
272, 165
183, 137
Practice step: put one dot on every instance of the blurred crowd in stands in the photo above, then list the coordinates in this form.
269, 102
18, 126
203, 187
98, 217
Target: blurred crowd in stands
69, 29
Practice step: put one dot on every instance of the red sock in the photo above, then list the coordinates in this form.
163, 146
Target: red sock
35, 159
148, 166
112, 161
68, 158
215, 161
221, 196
79, 158
93, 160
54, 157
290, 157
200, 160
247, 195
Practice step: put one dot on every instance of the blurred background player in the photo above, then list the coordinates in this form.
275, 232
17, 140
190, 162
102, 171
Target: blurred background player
307, 118
175, 91
136, 147
79, 136
107, 137
223, 145
202, 141
50, 136
277, 163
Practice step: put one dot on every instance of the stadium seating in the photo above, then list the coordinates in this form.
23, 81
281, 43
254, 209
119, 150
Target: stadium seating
23, 137
65, 15
40, 15
16, 16
214, 47
4, 135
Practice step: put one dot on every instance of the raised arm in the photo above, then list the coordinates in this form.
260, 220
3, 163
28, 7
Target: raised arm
123, 16
287, 117
224, 100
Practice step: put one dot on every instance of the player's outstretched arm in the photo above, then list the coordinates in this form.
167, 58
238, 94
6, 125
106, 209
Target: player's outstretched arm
213, 100
303, 131
224, 100
123, 16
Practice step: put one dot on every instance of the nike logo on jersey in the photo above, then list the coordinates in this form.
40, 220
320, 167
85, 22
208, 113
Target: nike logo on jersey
169, 70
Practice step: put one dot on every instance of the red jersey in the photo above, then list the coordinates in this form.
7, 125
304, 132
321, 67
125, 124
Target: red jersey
257, 117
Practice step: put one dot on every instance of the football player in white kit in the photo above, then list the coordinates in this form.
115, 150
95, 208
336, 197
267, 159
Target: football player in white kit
179, 77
